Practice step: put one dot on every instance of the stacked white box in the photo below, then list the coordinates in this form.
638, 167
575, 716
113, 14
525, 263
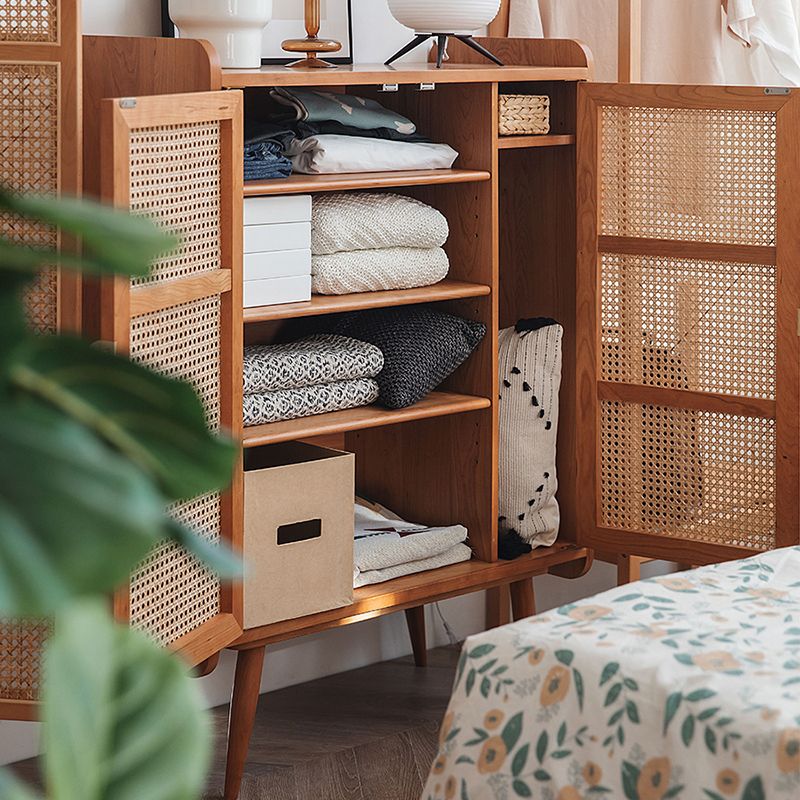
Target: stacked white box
277, 250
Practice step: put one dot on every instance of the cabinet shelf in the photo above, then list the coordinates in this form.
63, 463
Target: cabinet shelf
333, 304
419, 589
343, 181
544, 140
436, 404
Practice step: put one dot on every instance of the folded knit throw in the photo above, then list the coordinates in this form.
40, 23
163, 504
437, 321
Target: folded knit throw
377, 270
323, 358
345, 221
294, 403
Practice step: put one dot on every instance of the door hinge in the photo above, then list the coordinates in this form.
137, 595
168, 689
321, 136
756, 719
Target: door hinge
777, 90
390, 87
127, 102
104, 344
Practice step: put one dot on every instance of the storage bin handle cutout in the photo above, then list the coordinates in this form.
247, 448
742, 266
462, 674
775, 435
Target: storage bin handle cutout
299, 531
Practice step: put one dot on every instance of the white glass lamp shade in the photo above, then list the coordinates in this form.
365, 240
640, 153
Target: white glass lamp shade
444, 16
234, 27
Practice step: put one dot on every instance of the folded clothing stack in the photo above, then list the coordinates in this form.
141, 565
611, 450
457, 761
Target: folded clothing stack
314, 375
387, 547
363, 242
311, 131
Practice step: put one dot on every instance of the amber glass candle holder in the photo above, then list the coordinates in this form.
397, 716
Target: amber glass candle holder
312, 45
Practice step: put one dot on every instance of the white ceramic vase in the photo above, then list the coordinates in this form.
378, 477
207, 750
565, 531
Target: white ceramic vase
234, 27
444, 16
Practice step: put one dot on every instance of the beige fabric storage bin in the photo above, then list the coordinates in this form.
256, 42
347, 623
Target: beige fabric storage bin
298, 531
524, 114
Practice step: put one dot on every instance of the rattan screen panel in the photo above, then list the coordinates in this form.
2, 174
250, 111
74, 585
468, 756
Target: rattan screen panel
171, 594
689, 324
175, 177
688, 174
697, 475
29, 134
21, 646
28, 20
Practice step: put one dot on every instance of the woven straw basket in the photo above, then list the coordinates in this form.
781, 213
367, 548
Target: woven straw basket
524, 114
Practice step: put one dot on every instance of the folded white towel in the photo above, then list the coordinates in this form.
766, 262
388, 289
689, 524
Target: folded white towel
344, 221
331, 153
452, 556
383, 545
378, 270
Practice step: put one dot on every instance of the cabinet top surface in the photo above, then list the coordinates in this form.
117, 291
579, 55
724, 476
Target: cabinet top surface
363, 74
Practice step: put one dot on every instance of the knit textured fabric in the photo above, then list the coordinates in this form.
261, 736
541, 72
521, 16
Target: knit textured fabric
346, 221
295, 403
530, 379
377, 270
323, 358
421, 346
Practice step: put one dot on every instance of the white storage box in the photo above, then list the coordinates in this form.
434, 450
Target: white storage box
274, 291
298, 544
279, 264
284, 236
274, 210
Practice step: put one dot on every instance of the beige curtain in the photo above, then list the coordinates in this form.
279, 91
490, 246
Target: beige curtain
682, 40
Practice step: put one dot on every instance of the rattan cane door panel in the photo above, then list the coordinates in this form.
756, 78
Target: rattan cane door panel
40, 153
177, 159
687, 302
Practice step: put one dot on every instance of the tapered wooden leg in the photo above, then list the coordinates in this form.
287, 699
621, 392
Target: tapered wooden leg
415, 619
498, 607
523, 603
246, 685
629, 569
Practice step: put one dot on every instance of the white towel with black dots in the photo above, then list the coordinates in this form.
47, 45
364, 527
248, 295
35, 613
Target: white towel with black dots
530, 378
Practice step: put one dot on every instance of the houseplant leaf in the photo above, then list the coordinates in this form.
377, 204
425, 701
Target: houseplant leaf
78, 516
121, 719
12, 789
112, 241
156, 422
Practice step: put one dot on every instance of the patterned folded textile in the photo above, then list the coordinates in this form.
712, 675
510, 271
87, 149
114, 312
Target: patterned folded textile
305, 129
330, 153
294, 403
345, 221
309, 105
377, 270
454, 555
323, 358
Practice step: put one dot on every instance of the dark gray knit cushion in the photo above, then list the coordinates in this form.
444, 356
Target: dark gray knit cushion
421, 346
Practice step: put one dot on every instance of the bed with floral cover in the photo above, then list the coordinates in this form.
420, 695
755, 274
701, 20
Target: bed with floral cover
686, 687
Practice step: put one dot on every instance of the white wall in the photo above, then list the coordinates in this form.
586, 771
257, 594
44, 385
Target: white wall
376, 36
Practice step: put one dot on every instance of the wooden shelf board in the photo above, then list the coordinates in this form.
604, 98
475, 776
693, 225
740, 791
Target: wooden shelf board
419, 589
343, 181
436, 404
544, 140
365, 74
333, 304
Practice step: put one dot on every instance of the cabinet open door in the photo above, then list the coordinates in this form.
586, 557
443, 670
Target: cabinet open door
687, 315
178, 160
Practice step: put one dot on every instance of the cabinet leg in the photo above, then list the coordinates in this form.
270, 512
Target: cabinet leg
415, 619
246, 685
498, 609
523, 603
629, 569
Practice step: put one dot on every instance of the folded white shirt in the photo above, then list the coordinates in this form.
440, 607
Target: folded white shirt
329, 153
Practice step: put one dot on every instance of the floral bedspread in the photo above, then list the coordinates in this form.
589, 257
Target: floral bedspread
685, 686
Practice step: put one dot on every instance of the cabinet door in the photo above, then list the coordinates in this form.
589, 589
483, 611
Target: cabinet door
39, 153
178, 160
688, 243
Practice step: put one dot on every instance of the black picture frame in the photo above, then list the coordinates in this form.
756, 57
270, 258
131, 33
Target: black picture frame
168, 31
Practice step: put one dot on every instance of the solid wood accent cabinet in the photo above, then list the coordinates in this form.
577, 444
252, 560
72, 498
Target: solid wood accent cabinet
656, 224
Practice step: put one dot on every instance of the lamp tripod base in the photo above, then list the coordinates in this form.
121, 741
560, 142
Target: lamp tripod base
441, 49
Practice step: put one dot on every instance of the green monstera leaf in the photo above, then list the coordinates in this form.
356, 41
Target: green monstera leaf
121, 719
